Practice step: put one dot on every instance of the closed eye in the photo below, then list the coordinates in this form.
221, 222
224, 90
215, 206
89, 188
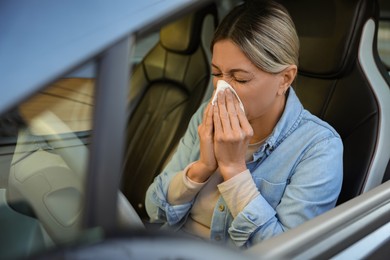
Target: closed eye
242, 81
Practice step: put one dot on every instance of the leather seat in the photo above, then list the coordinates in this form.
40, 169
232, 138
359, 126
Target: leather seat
167, 87
342, 80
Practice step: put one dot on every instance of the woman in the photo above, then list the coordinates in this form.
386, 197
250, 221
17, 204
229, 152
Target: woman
242, 177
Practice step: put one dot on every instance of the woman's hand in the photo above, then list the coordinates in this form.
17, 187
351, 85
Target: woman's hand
232, 133
202, 169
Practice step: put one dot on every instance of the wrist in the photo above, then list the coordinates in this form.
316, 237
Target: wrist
198, 172
229, 171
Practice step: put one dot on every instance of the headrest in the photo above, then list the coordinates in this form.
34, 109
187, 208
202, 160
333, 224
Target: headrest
329, 33
184, 35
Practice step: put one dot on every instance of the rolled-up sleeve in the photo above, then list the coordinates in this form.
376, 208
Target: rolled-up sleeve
182, 189
257, 219
157, 206
312, 190
238, 191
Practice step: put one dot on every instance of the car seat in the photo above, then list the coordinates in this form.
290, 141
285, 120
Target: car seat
342, 80
167, 87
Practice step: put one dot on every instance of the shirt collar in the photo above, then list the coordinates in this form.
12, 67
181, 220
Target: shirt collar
287, 123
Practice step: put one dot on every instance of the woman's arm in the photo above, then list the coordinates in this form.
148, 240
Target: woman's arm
313, 189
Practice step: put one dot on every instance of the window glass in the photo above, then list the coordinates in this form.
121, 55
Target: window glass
384, 42
43, 161
143, 46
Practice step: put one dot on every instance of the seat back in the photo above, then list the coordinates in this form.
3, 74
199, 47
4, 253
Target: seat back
167, 87
342, 81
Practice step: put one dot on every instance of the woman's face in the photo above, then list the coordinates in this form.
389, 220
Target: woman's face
259, 91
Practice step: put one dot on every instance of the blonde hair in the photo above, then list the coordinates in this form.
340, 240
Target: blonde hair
264, 31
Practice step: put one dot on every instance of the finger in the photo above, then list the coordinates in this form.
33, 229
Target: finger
231, 101
217, 120
243, 120
223, 113
206, 111
208, 120
237, 105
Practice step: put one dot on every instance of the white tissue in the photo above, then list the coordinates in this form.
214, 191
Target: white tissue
221, 86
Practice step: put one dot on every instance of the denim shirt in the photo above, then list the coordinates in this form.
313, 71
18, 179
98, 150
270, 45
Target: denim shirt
298, 172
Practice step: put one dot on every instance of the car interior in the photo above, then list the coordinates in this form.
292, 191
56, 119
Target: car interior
332, 83
343, 78
167, 87
343, 87
45, 142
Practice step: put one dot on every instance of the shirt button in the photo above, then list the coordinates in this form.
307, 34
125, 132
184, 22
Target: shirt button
221, 207
217, 237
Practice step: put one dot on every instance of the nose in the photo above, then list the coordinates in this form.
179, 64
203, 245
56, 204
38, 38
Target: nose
224, 77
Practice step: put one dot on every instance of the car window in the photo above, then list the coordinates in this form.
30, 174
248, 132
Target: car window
143, 46
384, 42
44, 151
65, 107
384, 33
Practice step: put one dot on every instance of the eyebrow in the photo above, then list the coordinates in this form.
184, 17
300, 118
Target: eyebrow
232, 70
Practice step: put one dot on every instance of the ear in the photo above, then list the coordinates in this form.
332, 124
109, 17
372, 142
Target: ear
287, 76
